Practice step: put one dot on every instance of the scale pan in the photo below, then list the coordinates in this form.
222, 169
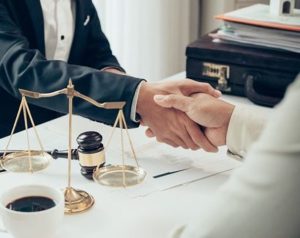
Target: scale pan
119, 175
20, 161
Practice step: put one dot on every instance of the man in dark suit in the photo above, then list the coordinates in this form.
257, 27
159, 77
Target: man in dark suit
44, 44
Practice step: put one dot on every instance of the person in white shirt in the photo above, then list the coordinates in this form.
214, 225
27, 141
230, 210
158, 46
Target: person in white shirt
261, 199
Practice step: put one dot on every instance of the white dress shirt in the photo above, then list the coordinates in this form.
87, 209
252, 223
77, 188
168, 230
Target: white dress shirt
59, 24
261, 199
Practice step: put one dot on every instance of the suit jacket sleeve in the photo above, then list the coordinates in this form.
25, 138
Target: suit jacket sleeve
22, 67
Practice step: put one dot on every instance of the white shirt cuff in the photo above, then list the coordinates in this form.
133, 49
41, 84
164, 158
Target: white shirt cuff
134, 103
245, 126
113, 67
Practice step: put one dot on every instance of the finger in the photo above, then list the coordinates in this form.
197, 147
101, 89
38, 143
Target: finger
149, 133
142, 123
169, 142
217, 93
200, 139
191, 86
179, 128
173, 101
181, 143
185, 136
175, 141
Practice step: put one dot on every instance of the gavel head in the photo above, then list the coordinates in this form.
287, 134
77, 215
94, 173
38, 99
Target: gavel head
91, 152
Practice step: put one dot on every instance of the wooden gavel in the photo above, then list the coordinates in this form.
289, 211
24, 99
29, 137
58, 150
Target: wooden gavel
90, 153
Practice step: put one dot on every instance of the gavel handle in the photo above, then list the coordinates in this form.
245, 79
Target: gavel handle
54, 153
64, 154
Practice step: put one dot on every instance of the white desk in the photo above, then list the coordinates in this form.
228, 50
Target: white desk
116, 213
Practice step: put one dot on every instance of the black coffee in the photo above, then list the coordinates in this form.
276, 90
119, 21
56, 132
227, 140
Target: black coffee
31, 204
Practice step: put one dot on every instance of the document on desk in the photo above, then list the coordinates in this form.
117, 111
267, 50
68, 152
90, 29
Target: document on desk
166, 167
169, 167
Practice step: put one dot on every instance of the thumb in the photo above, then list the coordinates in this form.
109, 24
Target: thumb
179, 102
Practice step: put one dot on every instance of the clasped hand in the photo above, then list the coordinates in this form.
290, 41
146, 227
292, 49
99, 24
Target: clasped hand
184, 113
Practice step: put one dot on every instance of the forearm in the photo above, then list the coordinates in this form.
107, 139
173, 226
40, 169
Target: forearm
25, 68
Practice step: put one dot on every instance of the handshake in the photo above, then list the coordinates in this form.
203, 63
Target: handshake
185, 114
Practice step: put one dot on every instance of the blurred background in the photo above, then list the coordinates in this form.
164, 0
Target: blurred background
149, 36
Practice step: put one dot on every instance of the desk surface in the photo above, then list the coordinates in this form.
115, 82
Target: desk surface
117, 213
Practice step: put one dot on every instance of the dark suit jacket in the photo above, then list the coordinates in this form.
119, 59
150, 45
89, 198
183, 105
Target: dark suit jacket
23, 65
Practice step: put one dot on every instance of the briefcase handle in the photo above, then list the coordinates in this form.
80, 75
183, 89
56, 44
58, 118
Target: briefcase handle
256, 97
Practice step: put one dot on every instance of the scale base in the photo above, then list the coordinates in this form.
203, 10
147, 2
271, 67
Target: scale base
77, 201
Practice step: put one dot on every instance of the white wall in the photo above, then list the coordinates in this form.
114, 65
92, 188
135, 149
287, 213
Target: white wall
149, 36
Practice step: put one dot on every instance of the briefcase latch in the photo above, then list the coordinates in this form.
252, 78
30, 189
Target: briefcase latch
221, 72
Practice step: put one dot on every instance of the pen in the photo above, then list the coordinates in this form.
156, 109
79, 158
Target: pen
168, 173
1, 169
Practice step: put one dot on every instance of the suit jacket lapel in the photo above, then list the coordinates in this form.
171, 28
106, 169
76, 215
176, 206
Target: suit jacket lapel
79, 27
36, 15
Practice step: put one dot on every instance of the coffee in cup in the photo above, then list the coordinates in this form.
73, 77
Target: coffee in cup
32, 211
31, 204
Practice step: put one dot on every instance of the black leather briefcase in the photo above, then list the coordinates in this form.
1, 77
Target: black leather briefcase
260, 74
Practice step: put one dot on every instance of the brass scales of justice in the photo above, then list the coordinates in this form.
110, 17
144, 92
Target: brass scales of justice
35, 160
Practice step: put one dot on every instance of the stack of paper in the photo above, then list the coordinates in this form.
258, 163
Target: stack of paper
169, 167
255, 26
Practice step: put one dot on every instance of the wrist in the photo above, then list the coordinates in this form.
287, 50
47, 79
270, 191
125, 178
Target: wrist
220, 114
145, 103
145, 94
